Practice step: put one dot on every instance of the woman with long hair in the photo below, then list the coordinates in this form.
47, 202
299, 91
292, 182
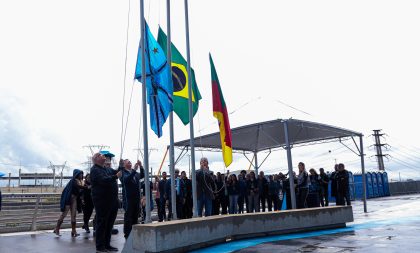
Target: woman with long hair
70, 201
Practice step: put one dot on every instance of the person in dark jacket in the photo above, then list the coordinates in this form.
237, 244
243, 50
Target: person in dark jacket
314, 189
286, 191
0, 200
252, 193
262, 189
342, 179
232, 185
163, 184
70, 201
324, 180
105, 199
178, 196
131, 194
143, 198
274, 188
187, 202
302, 186
87, 203
334, 183
242, 192
205, 188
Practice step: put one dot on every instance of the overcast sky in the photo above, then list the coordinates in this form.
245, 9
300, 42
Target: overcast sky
352, 64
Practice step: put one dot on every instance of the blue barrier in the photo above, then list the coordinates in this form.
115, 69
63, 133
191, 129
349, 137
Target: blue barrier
385, 183
351, 185
380, 184
374, 184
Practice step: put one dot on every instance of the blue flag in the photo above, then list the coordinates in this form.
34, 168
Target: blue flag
158, 82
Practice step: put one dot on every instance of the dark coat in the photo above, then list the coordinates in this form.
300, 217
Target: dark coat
342, 179
251, 186
104, 185
163, 184
131, 187
70, 189
233, 188
205, 185
274, 188
262, 186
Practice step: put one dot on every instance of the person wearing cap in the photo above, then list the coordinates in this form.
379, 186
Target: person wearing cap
105, 199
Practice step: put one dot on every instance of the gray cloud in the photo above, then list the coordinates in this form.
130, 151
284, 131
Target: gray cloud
21, 141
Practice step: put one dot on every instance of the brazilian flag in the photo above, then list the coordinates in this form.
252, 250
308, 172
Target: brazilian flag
180, 81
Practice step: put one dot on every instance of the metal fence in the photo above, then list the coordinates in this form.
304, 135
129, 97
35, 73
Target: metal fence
36, 211
401, 188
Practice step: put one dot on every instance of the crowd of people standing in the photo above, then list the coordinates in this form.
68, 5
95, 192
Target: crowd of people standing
217, 193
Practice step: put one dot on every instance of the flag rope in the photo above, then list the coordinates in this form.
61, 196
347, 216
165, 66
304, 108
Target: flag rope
124, 81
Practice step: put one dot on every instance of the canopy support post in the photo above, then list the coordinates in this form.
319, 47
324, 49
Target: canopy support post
256, 163
362, 160
290, 165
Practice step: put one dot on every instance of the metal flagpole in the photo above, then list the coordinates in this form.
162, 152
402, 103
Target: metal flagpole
190, 109
171, 114
362, 160
145, 139
289, 162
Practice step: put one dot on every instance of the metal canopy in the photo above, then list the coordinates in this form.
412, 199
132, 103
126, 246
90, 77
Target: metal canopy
270, 134
280, 133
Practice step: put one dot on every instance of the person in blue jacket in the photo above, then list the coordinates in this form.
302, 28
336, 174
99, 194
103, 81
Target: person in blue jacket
70, 201
131, 194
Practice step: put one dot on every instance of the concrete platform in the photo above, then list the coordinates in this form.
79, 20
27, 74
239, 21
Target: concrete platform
184, 235
392, 224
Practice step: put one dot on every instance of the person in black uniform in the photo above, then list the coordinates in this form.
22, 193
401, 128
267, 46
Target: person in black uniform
163, 197
342, 179
87, 203
324, 186
262, 189
105, 199
131, 194
186, 189
334, 183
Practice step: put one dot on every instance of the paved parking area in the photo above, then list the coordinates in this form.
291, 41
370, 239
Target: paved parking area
391, 225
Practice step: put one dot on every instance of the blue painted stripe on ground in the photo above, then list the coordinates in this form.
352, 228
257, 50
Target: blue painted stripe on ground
242, 244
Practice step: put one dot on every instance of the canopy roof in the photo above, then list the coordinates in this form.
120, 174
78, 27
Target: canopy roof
270, 134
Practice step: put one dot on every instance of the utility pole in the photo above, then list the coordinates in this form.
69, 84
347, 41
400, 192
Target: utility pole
54, 168
93, 149
378, 146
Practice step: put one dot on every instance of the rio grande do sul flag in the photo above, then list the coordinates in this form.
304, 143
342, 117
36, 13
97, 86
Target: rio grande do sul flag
220, 113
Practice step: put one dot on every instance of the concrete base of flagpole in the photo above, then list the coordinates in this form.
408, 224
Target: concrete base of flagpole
185, 235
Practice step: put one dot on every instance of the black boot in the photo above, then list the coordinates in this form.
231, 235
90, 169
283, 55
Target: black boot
73, 230
86, 228
57, 228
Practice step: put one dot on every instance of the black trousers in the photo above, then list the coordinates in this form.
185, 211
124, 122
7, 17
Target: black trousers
273, 200
106, 213
241, 200
324, 196
87, 213
301, 198
224, 202
262, 200
343, 198
160, 203
131, 216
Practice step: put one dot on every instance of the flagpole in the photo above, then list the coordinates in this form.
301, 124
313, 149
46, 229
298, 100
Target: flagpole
171, 114
145, 139
190, 110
